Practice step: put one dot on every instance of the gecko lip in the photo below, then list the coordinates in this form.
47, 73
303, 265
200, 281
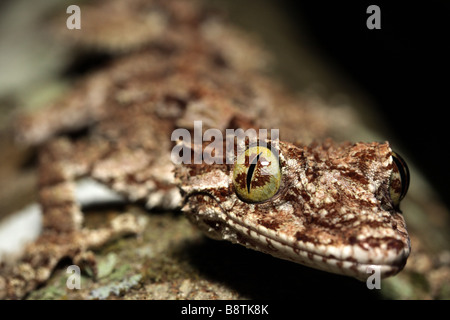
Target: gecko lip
350, 260
355, 260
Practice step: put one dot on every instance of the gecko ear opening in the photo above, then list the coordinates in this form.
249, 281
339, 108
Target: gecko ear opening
399, 180
257, 174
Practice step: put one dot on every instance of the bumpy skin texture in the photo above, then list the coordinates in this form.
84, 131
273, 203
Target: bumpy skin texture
332, 212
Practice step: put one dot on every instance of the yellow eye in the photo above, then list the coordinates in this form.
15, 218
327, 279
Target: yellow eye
399, 182
256, 174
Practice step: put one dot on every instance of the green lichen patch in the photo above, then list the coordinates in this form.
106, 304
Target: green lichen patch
115, 288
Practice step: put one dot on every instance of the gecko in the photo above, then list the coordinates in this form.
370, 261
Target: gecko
330, 205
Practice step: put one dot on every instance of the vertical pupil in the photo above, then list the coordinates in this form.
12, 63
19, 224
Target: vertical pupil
250, 171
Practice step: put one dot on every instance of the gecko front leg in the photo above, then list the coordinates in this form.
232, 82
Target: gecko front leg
61, 212
63, 234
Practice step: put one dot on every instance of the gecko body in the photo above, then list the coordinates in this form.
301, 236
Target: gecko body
332, 206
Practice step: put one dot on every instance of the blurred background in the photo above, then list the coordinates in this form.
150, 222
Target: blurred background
403, 69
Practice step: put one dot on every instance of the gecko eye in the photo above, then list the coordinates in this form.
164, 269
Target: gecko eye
257, 174
399, 181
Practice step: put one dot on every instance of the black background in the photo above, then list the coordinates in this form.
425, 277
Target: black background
403, 67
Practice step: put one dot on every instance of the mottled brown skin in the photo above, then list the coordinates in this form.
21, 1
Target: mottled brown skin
192, 67
332, 212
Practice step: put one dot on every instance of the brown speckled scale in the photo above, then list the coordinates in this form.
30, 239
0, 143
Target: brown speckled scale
332, 212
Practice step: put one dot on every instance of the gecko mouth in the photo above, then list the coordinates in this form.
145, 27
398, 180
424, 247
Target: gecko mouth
350, 260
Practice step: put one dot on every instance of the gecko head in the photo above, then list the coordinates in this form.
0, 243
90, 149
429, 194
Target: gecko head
330, 206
